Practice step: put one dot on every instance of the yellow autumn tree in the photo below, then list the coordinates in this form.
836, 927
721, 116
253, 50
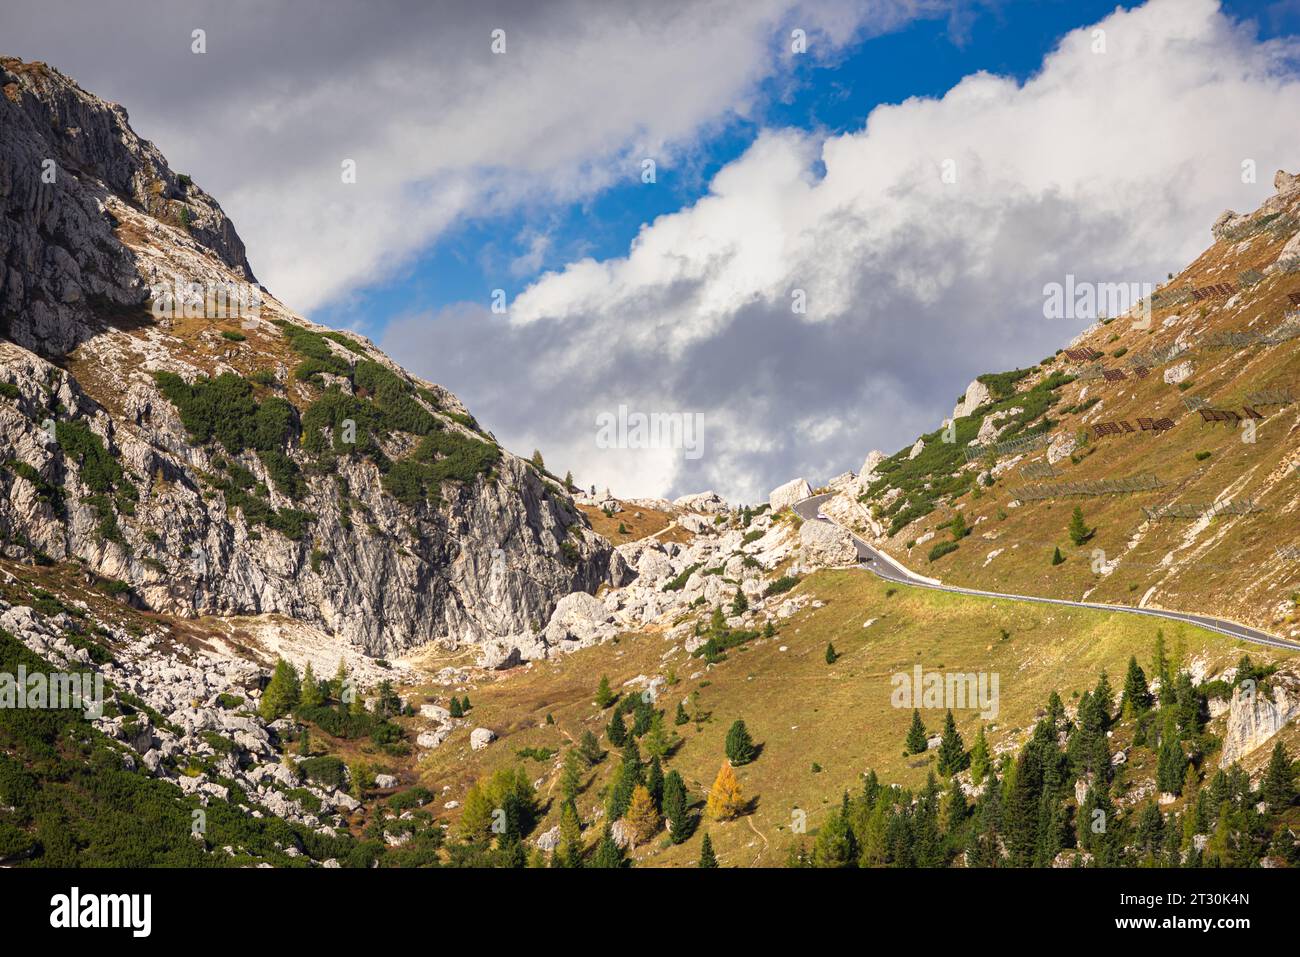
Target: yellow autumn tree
642, 816
725, 800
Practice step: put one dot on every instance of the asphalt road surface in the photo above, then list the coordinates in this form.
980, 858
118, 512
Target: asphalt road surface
891, 570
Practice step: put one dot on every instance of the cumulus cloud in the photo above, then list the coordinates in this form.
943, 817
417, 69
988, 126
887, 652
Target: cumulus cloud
440, 127
1109, 163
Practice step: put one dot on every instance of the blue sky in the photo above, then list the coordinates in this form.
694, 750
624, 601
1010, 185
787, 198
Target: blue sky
520, 171
924, 59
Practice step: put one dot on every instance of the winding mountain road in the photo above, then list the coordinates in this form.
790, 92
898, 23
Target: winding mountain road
887, 568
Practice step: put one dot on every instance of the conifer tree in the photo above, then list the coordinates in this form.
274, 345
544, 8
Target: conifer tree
707, 858
1278, 786
454, 708
642, 816
1137, 697
654, 781
1079, 530
740, 747
674, 805
725, 800
1057, 557
834, 846
604, 695
590, 748
769, 630
465, 705
281, 695
915, 743
830, 654
568, 853
959, 529
658, 740
682, 717
1171, 763
739, 604
340, 680
309, 695
1160, 669
979, 757
571, 775
1105, 699
608, 853
952, 752
304, 743
616, 731
955, 809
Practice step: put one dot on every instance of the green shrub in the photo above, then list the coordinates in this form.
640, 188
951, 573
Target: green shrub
326, 769
780, 585
942, 549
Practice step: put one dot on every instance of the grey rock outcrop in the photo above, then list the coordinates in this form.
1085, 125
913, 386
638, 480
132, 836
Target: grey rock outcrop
483, 559
64, 266
823, 543
1255, 716
783, 496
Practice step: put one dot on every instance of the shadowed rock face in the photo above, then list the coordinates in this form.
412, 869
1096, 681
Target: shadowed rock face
65, 152
481, 560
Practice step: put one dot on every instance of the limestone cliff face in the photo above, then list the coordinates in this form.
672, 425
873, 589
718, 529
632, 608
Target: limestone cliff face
473, 558
64, 152
1255, 717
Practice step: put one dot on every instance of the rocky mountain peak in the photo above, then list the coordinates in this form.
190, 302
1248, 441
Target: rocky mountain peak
67, 156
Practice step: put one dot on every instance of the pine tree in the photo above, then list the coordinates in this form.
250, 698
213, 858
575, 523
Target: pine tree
1057, 557
1104, 698
955, 809
626, 781
739, 604
654, 782
1137, 697
682, 717
537, 459
952, 751
616, 731
1171, 763
915, 743
658, 740
769, 630
590, 748
979, 758
725, 800
304, 743
608, 853
1278, 786
1160, 666
830, 654
454, 708
834, 846
281, 695
674, 805
465, 705
568, 481
642, 816
959, 529
358, 704
707, 858
309, 695
1079, 530
604, 696
740, 747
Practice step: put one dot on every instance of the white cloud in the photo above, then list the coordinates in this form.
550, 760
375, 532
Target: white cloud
1109, 166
